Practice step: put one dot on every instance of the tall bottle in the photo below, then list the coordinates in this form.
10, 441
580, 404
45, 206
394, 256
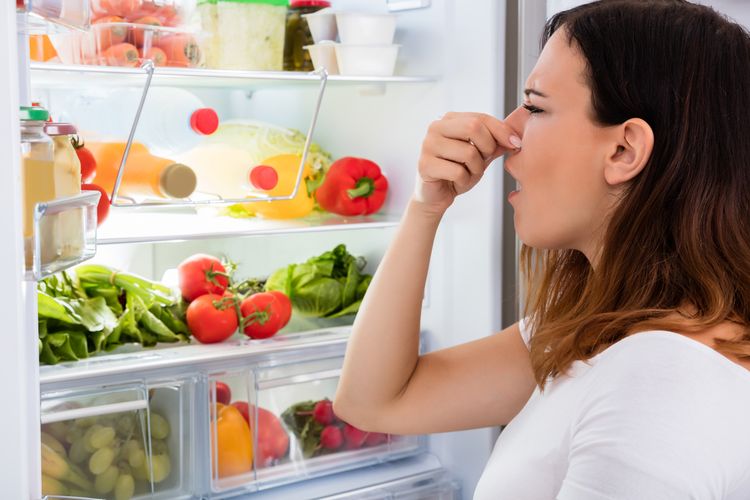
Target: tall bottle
172, 119
145, 176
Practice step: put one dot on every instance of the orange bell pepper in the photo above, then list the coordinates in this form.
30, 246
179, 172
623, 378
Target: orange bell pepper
233, 442
287, 167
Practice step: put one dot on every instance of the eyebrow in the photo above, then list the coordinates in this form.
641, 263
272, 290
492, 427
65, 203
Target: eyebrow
528, 92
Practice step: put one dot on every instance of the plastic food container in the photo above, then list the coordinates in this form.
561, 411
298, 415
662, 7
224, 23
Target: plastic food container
243, 34
166, 13
322, 25
366, 60
128, 45
298, 34
366, 29
323, 55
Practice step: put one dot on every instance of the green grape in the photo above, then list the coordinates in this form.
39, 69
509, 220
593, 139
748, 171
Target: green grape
85, 422
105, 482
73, 434
140, 472
101, 437
125, 425
78, 452
159, 427
57, 429
158, 446
136, 457
101, 459
161, 467
125, 487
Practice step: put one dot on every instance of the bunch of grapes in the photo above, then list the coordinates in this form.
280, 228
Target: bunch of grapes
111, 452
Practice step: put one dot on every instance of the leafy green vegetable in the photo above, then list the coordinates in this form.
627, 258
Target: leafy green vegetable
298, 418
98, 309
327, 286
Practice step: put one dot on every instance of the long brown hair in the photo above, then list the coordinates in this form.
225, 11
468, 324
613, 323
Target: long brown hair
679, 239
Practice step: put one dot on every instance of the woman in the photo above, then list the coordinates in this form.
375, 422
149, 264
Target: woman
630, 377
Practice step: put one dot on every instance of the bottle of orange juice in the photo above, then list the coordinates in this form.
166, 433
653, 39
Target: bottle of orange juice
145, 175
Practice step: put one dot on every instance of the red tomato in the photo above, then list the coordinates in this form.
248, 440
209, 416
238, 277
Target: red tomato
212, 318
86, 158
273, 441
223, 393
102, 209
261, 315
285, 307
201, 274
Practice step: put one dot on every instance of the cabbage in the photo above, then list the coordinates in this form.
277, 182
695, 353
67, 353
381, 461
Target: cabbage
263, 140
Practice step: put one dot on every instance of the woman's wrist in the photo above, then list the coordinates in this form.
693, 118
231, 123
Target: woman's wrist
424, 211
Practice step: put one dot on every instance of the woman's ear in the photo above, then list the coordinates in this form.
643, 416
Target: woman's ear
634, 142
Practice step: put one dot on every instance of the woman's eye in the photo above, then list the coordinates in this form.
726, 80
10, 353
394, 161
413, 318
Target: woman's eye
532, 109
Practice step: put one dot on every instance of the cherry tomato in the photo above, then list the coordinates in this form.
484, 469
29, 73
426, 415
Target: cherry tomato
102, 209
261, 315
201, 274
212, 318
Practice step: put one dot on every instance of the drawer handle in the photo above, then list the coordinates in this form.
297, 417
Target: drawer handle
299, 379
94, 411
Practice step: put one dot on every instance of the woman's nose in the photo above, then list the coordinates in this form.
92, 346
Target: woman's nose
517, 120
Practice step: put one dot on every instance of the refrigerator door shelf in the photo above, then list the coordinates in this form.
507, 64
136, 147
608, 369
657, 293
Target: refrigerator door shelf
44, 75
127, 438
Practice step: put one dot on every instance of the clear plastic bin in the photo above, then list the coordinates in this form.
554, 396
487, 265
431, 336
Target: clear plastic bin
127, 45
434, 485
124, 441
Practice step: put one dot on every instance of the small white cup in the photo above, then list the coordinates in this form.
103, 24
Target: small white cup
366, 60
322, 25
323, 55
357, 28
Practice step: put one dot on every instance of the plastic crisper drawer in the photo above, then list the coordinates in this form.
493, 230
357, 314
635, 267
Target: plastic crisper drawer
297, 436
125, 441
435, 485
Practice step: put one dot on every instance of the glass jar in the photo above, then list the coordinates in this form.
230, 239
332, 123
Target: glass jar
37, 169
67, 232
298, 35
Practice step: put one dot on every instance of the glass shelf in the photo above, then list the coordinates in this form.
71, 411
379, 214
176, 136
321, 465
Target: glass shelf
128, 225
60, 76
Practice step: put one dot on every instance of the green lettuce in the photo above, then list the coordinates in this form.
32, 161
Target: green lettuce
330, 285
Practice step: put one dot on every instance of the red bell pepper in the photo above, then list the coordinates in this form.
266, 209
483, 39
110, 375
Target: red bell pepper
352, 186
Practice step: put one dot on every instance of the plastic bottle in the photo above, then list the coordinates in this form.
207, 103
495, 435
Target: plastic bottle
145, 175
228, 172
172, 120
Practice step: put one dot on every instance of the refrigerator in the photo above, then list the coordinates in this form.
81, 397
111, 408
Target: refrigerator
467, 56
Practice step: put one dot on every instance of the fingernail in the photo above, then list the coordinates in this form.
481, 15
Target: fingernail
516, 141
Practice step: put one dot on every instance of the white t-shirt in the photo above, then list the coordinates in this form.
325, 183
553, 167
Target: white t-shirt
656, 416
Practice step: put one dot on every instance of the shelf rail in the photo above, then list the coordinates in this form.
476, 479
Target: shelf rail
148, 67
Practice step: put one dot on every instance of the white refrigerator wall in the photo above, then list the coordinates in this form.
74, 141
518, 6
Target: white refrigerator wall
462, 45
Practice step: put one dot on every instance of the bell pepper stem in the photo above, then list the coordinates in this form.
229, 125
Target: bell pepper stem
364, 188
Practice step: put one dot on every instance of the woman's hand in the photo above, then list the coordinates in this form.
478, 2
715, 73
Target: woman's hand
455, 153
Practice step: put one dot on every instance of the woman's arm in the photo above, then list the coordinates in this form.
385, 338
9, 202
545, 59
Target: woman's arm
385, 384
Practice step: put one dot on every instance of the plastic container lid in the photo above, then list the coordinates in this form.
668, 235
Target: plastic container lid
264, 177
309, 3
52, 128
204, 121
178, 181
33, 114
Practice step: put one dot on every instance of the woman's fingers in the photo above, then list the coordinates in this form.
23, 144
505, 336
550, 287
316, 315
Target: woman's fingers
460, 152
495, 137
439, 169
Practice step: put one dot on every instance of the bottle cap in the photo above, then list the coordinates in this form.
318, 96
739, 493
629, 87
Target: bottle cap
55, 128
204, 121
178, 181
34, 114
309, 3
264, 177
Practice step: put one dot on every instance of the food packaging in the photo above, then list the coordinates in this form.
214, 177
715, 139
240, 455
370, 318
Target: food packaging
366, 60
322, 25
323, 56
128, 45
365, 29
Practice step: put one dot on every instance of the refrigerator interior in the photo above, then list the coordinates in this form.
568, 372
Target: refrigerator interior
460, 50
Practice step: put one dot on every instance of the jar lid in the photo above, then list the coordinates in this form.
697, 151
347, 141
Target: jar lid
52, 128
178, 181
34, 114
309, 3
204, 121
